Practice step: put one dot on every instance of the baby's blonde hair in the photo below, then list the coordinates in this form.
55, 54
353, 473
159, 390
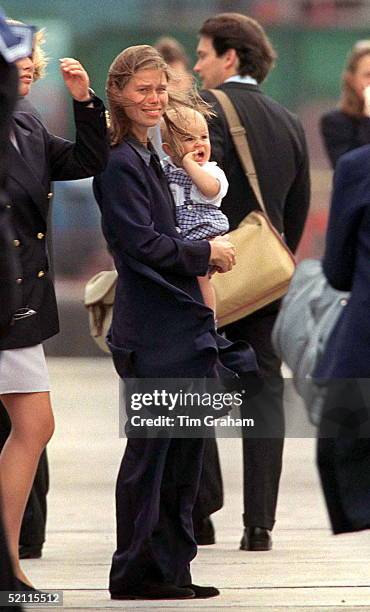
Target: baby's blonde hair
177, 123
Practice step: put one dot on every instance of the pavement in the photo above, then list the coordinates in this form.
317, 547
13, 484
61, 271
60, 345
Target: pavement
308, 568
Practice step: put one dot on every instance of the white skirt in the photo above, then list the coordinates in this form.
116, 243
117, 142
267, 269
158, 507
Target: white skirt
23, 370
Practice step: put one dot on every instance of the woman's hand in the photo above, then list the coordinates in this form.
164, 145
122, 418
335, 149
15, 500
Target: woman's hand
222, 254
76, 78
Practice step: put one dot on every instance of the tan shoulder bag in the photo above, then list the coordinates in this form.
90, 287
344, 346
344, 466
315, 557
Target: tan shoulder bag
264, 263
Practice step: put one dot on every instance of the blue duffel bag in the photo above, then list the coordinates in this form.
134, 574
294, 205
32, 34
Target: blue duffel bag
306, 319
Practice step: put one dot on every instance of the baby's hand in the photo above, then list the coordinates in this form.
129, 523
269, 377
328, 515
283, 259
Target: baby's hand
192, 156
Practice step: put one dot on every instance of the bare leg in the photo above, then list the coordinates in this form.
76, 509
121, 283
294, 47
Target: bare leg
208, 292
32, 427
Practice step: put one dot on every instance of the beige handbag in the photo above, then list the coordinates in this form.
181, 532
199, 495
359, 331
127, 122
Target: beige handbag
99, 298
264, 263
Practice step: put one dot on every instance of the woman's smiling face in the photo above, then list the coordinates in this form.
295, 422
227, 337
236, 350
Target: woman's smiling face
145, 99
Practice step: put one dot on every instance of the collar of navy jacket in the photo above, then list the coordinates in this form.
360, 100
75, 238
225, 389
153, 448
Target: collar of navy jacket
146, 154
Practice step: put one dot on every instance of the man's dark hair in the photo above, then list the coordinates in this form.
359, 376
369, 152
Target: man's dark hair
234, 31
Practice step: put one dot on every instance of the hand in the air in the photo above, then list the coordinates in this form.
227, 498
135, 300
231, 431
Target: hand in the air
76, 78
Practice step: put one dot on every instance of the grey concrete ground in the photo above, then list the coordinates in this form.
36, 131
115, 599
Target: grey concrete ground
308, 568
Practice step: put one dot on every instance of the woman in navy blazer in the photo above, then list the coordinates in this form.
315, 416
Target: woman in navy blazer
36, 158
344, 445
160, 329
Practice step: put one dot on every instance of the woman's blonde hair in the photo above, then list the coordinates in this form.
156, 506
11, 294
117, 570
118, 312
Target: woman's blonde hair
350, 102
38, 54
123, 68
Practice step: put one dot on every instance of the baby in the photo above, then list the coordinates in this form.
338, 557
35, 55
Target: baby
197, 184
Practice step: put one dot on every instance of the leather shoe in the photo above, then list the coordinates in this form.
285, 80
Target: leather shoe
204, 532
30, 552
256, 538
24, 587
156, 591
203, 592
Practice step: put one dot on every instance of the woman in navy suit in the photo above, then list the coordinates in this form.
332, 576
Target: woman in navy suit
36, 158
344, 444
160, 329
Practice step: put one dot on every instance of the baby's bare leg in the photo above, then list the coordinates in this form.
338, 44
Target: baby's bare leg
208, 292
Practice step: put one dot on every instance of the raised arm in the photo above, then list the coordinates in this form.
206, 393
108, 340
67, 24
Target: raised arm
89, 154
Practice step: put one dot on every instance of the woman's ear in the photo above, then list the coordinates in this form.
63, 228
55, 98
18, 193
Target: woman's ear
348, 78
167, 149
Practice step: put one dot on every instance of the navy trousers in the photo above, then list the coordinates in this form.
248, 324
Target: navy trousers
344, 454
155, 494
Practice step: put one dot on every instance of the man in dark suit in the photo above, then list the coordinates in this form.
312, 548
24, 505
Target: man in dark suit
235, 55
344, 432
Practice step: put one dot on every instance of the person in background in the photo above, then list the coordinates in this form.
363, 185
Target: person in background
36, 158
348, 126
344, 369
175, 56
235, 55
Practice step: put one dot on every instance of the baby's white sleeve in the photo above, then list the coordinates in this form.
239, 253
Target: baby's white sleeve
213, 169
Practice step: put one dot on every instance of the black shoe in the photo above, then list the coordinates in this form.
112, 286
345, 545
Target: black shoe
156, 591
203, 592
24, 587
204, 532
30, 552
256, 538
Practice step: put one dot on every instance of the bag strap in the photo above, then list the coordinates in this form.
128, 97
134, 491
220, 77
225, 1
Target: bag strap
239, 136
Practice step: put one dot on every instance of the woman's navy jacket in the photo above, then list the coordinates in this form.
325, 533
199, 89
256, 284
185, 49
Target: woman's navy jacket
38, 159
347, 267
160, 328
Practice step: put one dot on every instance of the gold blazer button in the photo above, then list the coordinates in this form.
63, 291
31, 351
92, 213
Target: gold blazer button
41, 274
16, 243
40, 235
50, 195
